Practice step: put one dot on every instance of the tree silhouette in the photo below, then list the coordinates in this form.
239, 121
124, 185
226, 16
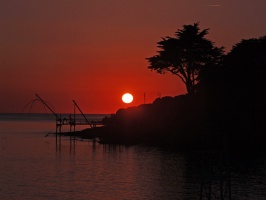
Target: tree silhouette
186, 55
236, 93
246, 63
242, 72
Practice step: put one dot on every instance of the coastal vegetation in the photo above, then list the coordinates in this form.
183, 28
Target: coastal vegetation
225, 100
186, 55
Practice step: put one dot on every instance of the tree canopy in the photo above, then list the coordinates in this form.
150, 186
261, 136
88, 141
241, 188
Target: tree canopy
186, 55
242, 71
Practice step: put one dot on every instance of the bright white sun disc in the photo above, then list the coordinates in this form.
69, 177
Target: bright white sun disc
127, 98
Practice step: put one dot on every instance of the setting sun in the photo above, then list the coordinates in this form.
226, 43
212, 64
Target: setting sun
127, 98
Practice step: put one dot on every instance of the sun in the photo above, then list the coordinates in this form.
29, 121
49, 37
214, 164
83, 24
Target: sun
127, 98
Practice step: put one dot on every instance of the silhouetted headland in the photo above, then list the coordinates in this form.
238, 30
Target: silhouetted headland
227, 109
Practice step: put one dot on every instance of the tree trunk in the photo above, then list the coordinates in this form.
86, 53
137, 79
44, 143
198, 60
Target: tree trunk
189, 87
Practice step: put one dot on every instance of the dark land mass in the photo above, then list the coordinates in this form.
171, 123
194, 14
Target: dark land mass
227, 111
188, 122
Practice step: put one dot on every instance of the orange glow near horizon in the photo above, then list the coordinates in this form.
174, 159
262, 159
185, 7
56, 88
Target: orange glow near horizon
93, 51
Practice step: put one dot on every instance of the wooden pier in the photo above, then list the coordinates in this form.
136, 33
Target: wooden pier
72, 121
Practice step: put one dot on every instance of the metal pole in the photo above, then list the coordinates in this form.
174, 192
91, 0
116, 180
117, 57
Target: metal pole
82, 113
74, 118
47, 105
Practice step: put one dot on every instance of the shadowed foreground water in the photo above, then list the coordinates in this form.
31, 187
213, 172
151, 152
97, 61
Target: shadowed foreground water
36, 166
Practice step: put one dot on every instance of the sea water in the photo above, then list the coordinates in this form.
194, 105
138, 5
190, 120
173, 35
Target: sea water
35, 164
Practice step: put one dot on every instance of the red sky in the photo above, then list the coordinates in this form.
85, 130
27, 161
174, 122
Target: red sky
94, 51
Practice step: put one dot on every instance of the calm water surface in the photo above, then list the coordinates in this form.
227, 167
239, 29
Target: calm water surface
36, 165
